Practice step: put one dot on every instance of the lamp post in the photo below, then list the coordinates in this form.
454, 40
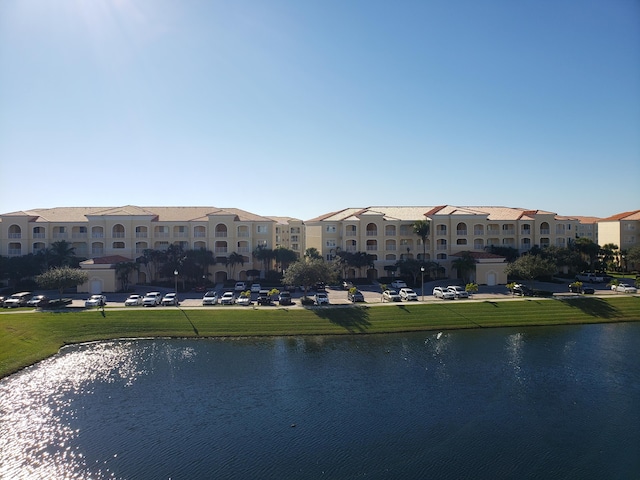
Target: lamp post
175, 274
422, 285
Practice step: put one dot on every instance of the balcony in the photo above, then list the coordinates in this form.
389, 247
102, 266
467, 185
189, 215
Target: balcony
141, 234
461, 233
243, 234
162, 234
38, 235
221, 234
244, 250
493, 231
372, 233
350, 233
118, 234
544, 231
221, 250
478, 231
15, 235
180, 234
372, 248
97, 251
390, 248
97, 235
79, 235
509, 231
59, 235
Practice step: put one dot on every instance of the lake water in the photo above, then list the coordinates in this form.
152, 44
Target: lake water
535, 403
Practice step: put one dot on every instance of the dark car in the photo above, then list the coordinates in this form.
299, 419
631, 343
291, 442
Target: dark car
264, 298
355, 296
523, 290
588, 290
284, 298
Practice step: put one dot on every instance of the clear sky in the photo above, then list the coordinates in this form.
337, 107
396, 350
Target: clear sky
302, 107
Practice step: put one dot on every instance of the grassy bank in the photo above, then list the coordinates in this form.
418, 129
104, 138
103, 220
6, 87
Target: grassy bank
28, 337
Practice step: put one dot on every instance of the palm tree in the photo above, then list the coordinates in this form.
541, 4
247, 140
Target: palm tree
123, 270
61, 253
422, 228
312, 253
234, 259
464, 264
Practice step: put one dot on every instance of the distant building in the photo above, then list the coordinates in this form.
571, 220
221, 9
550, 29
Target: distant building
622, 230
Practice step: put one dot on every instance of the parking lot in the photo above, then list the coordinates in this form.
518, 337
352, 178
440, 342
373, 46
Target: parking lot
338, 296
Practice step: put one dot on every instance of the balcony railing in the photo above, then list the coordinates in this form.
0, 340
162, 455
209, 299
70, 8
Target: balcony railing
350, 233
390, 248
221, 234
97, 251
372, 233
15, 235
162, 235
461, 232
118, 234
220, 250
141, 234
244, 250
243, 234
441, 232
493, 231
478, 231
372, 248
79, 235
180, 234
544, 231
97, 235
38, 235
59, 235
509, 231
15, 251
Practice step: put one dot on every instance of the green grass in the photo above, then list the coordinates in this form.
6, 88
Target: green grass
28, 337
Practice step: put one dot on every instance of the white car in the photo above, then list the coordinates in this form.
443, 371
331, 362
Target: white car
227, 298
443, 293
408, 294
625, 288
96, 301
398, 284
459, 292
391, 296
255, 288
244, 300
322, 298
210, 298
152, 299
170, 299
240, 287
17, 300
133, 300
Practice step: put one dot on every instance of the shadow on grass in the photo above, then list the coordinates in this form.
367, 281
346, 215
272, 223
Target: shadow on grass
595, 307
195, 330
352, 319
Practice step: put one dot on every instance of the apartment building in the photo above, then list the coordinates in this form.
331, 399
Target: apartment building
588, 228
125, 232
386, 233
622, 230
289, 233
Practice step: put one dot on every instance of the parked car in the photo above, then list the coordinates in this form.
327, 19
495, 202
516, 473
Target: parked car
458, 291
210, 298
443, 293
38, 301
322, 298
133, 300
285, 298
152, 299
321, 287
523, 290
588, 290
227, 298
391, 296
355, 296
96, 301
244, 300
408, 294
240, 287
398, 284
264, 298
255, 288
626, 288
17, 300
346, 285
170, 299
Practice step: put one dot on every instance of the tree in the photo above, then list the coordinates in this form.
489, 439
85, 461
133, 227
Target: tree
633, 257
312, 253
608, 252
422, 228
310, 272
587, 249
284, 257
264, 255
59, 278
233, 260
530, 267
61, 253
464, 264
123, 270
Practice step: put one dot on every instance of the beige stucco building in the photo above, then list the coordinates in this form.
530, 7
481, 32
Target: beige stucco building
386, 232
622, 230
127, 231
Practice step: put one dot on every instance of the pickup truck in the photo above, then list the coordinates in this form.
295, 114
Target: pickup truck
589, 277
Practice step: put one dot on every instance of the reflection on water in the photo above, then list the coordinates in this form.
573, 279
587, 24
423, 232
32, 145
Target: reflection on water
531, 403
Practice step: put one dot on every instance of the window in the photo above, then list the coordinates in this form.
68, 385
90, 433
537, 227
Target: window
261, 229
331, 229
118, 245
331, 243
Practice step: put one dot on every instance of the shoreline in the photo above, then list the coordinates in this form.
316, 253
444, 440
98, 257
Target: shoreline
28, 337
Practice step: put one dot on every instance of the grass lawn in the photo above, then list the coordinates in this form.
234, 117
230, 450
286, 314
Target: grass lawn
27, 337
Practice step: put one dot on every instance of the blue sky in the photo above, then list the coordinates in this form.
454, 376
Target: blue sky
299, 108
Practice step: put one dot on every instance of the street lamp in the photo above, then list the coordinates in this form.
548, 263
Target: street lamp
422, 272
175, 274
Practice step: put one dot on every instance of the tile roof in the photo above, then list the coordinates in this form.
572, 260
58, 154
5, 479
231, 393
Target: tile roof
633, 215
163, 214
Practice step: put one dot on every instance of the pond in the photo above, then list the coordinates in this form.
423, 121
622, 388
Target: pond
530, 403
